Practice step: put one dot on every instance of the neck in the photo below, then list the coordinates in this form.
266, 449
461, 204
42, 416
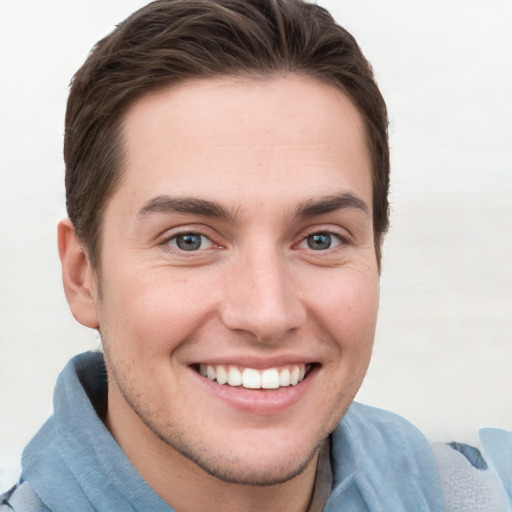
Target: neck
193, 490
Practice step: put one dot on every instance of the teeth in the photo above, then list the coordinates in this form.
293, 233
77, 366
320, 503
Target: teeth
251, 379
284, 377
271, 378
234, 376
221, 375
294, 375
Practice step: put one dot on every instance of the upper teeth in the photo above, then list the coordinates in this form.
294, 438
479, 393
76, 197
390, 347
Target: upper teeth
271, 378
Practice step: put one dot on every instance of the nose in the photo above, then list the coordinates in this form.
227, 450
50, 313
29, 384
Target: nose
262, 297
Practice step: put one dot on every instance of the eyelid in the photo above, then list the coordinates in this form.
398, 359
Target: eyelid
337, 239
342, 234
175, 237
171, 234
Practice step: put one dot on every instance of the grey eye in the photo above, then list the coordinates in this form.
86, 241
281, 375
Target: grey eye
189, 241
319, 241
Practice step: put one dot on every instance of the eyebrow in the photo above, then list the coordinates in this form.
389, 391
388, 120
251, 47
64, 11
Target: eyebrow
188, 205
324, 205
194, 206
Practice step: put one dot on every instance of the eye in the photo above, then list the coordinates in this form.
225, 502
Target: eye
321, 241
190, 242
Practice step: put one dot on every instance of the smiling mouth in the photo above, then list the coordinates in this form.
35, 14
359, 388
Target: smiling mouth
250, 378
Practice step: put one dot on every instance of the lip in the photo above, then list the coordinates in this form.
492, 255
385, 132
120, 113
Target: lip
256, 362
262, 402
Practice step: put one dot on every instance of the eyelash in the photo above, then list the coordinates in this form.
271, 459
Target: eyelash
166, 242
341, 239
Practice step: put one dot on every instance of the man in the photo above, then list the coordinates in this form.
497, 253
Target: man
227, 172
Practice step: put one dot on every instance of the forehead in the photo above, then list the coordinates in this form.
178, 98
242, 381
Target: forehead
230, 136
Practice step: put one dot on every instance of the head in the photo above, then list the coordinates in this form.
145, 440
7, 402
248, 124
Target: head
227, 177
170, 41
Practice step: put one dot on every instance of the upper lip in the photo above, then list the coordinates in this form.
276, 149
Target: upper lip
258, 363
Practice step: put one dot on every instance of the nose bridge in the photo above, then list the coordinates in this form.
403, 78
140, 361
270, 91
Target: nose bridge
262, 297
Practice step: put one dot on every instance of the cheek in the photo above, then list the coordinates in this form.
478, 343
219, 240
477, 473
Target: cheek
349, 316
151, 313
348, 309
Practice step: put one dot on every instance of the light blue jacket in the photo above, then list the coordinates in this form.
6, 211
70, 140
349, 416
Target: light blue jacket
380, 462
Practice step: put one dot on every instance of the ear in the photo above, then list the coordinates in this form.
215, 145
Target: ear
78, 276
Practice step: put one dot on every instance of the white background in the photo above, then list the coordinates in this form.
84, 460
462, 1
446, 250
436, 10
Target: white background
443, 352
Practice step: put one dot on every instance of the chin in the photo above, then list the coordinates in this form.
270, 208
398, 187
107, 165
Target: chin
256, 470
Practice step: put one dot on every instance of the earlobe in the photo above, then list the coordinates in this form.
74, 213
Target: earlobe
77, 276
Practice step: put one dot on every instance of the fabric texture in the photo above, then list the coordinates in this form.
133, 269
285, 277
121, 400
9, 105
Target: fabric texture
22, 498
469, 484
497, 446
379, 461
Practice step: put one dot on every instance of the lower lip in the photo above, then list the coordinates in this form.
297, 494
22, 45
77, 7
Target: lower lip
260, 401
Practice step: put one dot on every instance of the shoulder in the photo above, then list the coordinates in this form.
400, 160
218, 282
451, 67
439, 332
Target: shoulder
21, 498
472, 483
396, 451
383, 428
385, 461
394, 446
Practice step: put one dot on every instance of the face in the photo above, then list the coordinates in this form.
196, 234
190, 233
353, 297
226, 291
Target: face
238, 273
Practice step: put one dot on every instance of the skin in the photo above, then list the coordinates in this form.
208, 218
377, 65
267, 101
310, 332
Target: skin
255, 293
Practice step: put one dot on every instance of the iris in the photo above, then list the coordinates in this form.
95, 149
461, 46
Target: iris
189, 241
319, 241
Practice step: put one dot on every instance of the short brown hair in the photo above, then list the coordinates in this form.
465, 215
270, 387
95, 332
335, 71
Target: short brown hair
173, 40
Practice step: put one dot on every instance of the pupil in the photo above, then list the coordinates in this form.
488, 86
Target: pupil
189, 242
319, 241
